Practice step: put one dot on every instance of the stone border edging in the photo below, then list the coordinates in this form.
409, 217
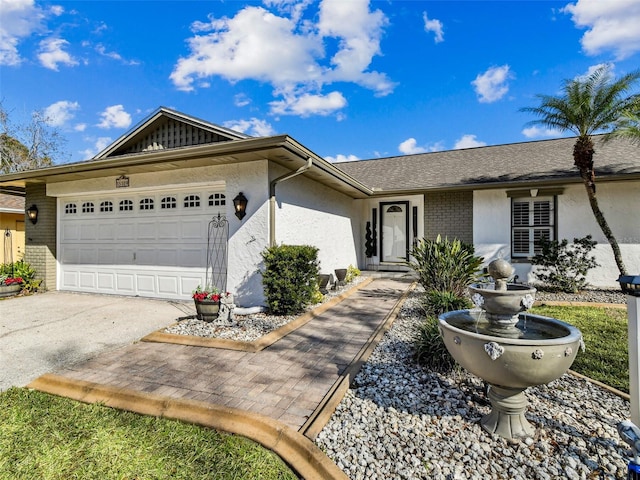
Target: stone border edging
260, 343
327, 406
604, 386
300, 453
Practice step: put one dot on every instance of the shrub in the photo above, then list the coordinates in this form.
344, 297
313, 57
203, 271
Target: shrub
563, 267
436, 302
352, 272
430, 350
290, 277
446, 266
23, 270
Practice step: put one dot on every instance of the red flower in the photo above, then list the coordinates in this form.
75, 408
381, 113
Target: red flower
13, 281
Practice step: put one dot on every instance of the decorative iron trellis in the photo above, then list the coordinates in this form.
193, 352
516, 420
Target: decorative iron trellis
217, 242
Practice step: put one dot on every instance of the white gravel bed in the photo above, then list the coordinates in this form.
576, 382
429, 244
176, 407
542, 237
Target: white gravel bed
400, 421
247, 328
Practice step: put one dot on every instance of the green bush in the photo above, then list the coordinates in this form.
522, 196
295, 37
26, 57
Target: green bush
430, 350
444, 265
564, 268
290, 277
25, 271
352, 272
436, 302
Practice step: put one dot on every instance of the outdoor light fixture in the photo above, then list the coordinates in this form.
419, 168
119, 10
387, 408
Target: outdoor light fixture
630, 284
240, 205
32, 213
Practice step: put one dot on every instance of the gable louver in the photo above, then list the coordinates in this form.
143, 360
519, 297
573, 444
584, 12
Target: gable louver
172, 134
168, 129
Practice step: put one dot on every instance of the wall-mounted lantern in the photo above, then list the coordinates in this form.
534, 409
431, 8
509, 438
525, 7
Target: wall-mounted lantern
32, 213
240, 206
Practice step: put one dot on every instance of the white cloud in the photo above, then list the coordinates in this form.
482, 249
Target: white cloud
492, 85
52, 53
20, 18
115, 117
341, 158
253, 126
102, 50
80, 127
59, 113
468, 141
307, 104
611, 25
293, 55
241, 100
100, 144
410, 146
593, 68
435, 26
538, 132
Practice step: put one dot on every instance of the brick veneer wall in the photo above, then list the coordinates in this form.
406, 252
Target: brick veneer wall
449, 214
40, 239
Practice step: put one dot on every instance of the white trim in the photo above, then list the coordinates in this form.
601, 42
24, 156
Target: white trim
218, 185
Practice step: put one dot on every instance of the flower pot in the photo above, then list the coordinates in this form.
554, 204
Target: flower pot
207, 310
341, 274
323, 281
10, 290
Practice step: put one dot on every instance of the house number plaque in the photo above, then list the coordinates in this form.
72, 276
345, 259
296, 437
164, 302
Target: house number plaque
122, 182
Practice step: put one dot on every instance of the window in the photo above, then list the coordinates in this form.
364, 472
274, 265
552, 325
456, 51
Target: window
126, 205
217, 200
168, 202
191, 201
146, 204
87, 207
531, 220
106, 206
70, 209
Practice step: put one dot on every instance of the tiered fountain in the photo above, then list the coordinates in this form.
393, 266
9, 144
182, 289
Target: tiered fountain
508, 348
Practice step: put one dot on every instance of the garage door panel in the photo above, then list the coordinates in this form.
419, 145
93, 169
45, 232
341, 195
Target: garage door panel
154, 253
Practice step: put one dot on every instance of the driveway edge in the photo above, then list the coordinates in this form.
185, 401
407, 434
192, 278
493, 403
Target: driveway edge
300, 453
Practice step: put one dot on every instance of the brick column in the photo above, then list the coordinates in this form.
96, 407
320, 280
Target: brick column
40, 239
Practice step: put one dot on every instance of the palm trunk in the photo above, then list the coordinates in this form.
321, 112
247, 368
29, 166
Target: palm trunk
583, 159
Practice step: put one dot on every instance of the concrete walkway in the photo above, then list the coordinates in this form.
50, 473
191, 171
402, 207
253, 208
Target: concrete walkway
288, 381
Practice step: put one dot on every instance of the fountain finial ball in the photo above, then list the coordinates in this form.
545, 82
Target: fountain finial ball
500, 269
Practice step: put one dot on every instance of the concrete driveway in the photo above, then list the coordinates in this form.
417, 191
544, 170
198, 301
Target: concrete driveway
43, 332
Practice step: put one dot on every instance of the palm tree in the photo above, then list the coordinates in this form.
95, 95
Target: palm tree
628, 126
592, 104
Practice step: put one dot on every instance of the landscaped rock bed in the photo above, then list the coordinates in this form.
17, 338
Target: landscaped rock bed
400, 421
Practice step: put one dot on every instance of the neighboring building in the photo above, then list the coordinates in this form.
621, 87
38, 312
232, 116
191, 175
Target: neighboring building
135, 220
11, 228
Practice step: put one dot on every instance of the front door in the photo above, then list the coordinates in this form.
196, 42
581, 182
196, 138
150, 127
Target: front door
395, 226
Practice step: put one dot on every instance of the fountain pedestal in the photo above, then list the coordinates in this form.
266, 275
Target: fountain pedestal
507, 416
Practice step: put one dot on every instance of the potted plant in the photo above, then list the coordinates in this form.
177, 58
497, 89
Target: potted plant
10, 285
207, 301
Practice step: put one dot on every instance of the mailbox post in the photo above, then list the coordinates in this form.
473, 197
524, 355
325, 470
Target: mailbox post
628, 430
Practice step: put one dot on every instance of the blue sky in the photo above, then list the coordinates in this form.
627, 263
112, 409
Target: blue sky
349, 79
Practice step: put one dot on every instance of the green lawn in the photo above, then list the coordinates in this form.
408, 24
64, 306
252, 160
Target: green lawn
604, 330
47, 437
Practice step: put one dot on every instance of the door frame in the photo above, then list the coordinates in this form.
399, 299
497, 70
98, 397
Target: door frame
383, 205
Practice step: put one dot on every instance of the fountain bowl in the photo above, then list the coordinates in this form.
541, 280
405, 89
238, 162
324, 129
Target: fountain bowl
503, 306
506, 361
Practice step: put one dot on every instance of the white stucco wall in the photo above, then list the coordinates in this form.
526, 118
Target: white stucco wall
247, 238
618, 200
308, 213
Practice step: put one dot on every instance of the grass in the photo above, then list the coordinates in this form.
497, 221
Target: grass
604, 330
47, 437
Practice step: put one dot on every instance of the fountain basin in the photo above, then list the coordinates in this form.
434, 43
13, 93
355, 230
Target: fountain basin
512, 360
503, 306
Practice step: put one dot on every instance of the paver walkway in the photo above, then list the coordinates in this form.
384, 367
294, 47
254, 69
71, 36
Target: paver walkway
286, 381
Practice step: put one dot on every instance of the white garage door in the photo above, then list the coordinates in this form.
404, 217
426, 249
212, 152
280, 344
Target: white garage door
151, 245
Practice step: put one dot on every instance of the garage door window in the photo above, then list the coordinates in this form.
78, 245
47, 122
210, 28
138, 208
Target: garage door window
87, 207
70, 209
168, 202
126, 205
106, 207
217, 200
146, 204
191, 201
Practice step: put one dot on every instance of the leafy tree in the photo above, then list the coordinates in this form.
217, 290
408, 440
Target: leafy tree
30, 146
628, 125
595, 103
